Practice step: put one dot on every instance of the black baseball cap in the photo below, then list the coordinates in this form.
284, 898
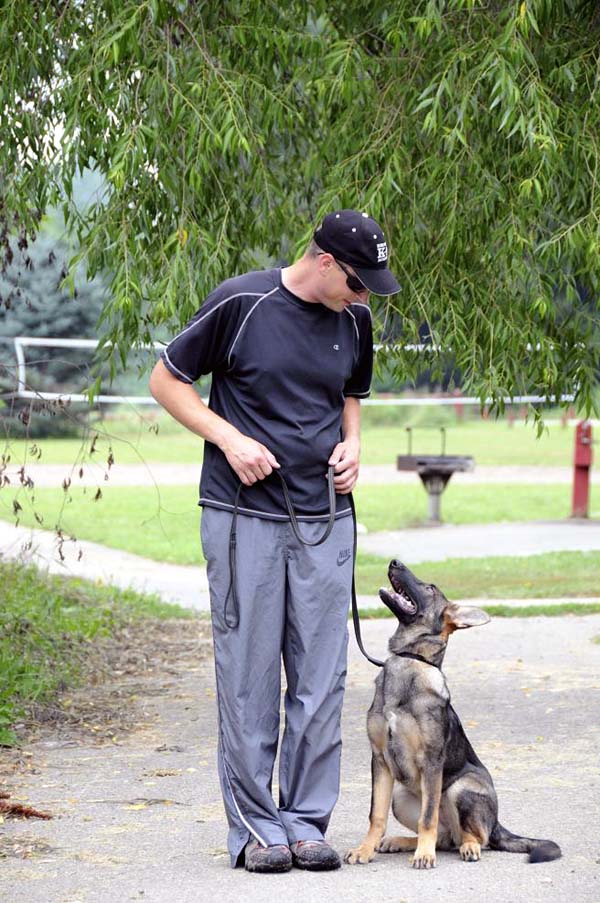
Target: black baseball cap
355, 238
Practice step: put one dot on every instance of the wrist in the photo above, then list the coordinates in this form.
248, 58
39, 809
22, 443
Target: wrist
225, 436
353, 440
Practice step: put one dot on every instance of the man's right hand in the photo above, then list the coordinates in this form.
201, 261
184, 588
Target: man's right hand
250, 459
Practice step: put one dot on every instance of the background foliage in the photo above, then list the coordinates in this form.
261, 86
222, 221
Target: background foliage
36, 305
224, 131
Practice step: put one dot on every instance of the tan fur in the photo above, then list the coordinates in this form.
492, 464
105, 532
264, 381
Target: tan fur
376, 731
470, 848
448, 628
397, 844
431, 791
380, 807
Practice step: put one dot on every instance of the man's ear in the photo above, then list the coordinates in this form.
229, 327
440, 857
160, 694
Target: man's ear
325, 262
461, 616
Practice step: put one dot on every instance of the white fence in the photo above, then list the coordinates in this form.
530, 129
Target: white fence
22, 342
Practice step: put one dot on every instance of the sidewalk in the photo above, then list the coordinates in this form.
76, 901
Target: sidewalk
141, 818
183, 584
188, 585
484, 540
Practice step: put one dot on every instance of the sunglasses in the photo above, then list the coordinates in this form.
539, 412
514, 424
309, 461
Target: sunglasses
352, 281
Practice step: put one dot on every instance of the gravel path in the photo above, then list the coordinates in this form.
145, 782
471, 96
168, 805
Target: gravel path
140, 817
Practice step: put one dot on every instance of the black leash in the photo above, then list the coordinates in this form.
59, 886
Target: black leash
232, 592
355, 615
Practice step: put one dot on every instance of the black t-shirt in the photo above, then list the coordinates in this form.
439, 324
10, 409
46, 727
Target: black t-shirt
281, 370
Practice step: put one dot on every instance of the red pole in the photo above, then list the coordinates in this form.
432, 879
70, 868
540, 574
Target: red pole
582, 467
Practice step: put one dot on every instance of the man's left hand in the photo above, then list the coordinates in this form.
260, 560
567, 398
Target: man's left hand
345, 457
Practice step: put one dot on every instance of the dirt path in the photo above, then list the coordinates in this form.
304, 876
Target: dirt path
137, 808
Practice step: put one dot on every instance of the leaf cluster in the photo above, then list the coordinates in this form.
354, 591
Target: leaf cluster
224, 131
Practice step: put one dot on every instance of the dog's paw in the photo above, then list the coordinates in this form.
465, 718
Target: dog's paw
470, 852
423, 859
397, 844
361, 855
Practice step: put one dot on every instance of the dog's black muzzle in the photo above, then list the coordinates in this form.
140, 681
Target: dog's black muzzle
403, 598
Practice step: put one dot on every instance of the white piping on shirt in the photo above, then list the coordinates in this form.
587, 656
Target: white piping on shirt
255, 305
187, 378
212, 310
350, 314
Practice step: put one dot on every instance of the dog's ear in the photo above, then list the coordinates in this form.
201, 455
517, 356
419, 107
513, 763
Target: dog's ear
460, 616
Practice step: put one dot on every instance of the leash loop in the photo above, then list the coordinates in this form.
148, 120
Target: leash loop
232, 591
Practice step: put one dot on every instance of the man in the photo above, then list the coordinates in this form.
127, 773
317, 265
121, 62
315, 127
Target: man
290, 352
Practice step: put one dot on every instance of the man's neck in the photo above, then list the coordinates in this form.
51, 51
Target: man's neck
300, 281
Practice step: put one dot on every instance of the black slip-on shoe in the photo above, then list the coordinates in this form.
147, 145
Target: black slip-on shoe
276, 858
315, 856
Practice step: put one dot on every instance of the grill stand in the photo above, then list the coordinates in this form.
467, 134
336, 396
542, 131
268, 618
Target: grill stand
435, 472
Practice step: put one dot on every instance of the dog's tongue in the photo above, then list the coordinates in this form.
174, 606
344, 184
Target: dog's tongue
402, 601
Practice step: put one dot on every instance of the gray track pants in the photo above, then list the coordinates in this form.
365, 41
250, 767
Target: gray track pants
293, 601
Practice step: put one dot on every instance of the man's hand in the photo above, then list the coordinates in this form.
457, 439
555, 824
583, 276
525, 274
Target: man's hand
345, 457
248, 458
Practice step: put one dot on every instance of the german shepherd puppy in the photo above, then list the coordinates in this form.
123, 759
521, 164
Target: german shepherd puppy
422, 761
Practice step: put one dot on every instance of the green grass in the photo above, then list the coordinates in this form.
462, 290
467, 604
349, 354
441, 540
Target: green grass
151, 437
551, 575
164, 525
45, 625
488, 443
512, 611
546, 611
134, 439
392, 507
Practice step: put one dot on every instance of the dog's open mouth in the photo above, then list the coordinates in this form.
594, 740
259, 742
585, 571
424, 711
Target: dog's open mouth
398, 599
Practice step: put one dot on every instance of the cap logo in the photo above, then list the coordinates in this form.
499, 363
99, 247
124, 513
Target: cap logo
382, 252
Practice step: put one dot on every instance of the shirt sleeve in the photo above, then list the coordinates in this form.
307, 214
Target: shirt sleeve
203, 344
359, 383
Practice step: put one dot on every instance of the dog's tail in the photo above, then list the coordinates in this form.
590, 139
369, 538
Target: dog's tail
539, 850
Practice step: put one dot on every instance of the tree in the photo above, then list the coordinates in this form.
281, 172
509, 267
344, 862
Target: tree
35, 305
224, 130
